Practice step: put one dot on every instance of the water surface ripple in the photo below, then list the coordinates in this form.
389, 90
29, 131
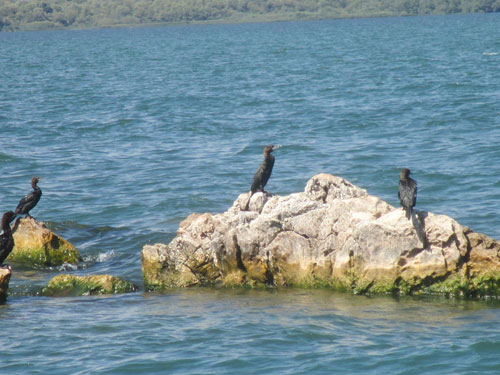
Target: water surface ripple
134, 129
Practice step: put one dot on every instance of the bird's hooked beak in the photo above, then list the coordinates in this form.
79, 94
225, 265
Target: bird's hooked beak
276, 147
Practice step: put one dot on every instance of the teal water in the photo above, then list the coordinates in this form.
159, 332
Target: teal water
134, 129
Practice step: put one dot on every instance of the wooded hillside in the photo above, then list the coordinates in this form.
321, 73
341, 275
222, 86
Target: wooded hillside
49, 14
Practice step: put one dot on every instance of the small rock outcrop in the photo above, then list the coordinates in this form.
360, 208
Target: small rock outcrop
334, 234
65, 285
35, 246
4, 282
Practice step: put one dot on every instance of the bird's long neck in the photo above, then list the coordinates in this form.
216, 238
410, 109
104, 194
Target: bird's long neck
35, 187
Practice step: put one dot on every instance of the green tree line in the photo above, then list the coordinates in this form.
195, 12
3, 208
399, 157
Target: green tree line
50, 14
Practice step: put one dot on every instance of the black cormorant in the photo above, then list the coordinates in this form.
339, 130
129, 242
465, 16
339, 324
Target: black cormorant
6, 240
30, 200
407, 192
263, 172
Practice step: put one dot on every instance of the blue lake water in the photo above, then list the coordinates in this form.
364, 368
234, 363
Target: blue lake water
134, 129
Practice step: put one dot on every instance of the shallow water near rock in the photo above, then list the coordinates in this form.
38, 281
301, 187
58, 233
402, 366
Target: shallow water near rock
134, 129
198, 331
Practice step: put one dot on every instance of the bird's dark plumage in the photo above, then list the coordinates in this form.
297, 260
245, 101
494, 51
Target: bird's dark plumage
407, 192
263, 172
30, 200
6, 239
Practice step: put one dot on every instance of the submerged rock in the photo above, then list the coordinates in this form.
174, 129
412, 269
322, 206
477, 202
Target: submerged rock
65, 285
4, 282
36, 246
334, 234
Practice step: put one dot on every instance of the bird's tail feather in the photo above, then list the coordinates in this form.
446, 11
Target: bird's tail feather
408, 212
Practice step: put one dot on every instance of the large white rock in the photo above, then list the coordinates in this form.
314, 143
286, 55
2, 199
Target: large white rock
333, 234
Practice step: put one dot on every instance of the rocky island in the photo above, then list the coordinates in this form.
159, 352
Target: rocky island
333, 234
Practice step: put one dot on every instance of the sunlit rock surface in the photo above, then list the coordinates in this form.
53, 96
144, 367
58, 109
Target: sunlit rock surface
4, 282
35, 246
334, 234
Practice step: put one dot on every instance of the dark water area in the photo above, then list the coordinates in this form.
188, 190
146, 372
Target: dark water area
134, 129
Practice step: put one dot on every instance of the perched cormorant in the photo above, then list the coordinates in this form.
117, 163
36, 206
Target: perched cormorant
407, 191
30, 200
263, 172
6, 240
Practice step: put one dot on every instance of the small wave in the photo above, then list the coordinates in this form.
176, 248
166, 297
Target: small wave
67, 267
99, 258
491, 53
8, 158
102, 257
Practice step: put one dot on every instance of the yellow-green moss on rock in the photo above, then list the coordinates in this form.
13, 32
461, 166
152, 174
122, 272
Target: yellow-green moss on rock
65, 285
154, 276
35, 246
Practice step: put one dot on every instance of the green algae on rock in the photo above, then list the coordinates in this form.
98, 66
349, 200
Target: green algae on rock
35, 246
5, 274
335, 235
65, 285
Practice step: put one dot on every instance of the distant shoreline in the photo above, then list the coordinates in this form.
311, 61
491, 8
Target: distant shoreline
220, 21
33, 15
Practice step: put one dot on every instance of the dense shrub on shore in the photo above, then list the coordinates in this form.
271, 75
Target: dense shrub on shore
48, 14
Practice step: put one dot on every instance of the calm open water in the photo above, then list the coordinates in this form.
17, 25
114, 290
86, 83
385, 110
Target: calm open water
134, 129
